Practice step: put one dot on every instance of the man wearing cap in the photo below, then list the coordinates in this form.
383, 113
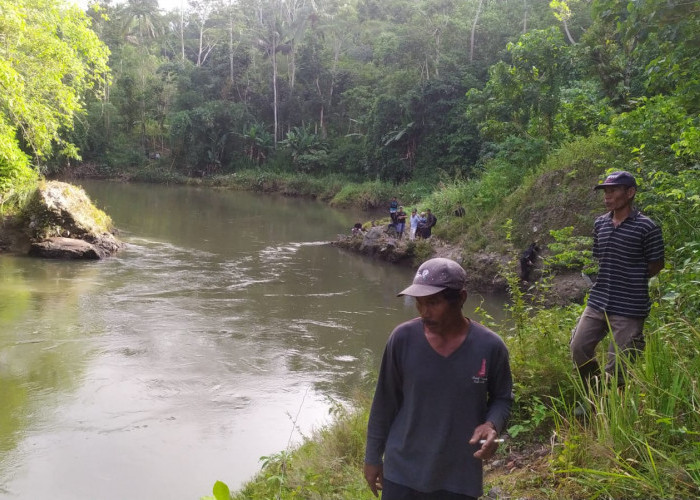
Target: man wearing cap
629, 248
430, 221
444, 386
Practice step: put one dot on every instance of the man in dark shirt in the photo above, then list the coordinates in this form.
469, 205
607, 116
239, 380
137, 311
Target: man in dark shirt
400, 222
629, 248
527, 261
444, 393
430, 221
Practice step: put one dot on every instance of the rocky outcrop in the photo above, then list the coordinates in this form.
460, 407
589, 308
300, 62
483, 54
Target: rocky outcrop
380, 243
61, 222
484, 269
65, 248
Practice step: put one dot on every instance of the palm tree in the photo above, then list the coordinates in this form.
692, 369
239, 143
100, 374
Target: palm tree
139, 20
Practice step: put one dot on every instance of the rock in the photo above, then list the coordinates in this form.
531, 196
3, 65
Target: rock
377, 243
62, 222
65, 248
494, 493
569, 288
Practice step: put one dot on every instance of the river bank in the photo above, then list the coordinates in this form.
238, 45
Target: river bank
485, 269
475, 240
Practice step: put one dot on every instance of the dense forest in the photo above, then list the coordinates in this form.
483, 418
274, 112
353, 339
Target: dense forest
513, 108
394, 90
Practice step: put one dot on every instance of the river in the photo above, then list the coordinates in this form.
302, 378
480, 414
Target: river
219, 335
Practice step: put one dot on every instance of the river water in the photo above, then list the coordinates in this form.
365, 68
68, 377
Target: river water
221, 334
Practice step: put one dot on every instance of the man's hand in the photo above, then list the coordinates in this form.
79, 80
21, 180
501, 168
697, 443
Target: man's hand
487, 432
374, 476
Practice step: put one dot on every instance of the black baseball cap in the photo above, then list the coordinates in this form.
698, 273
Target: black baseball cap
621, 178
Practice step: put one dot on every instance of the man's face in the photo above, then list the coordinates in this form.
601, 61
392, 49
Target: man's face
436, 311
617, 197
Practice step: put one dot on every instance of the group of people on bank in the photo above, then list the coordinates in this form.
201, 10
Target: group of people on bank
445, 390
419, 225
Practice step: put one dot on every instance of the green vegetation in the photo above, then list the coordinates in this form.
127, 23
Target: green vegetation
49, 60
513, 109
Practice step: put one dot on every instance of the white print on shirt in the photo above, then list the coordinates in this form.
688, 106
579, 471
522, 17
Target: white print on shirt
480, 377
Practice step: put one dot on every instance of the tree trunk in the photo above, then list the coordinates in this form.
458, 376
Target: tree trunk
274, 84
182, 30
568, 35
473, 35
230, 44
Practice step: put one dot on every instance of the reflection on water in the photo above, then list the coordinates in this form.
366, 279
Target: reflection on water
188, 356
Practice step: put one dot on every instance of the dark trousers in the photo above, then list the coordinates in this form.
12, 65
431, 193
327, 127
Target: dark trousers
394, 491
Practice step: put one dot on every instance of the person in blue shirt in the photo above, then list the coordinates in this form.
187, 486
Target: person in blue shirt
393, 208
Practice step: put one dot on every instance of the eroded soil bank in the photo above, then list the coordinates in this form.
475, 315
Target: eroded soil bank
483, 268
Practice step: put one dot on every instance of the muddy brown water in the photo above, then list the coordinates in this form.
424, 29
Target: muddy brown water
220, 335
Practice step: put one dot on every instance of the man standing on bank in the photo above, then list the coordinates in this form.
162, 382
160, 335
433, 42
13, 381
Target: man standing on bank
444, 393
629, 248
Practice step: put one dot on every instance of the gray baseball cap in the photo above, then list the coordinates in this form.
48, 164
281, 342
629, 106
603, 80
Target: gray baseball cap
436, 275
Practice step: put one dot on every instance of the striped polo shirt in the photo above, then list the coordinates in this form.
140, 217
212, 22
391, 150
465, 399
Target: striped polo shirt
623, 255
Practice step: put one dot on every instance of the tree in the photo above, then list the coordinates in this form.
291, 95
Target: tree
523, 98
472, 38
562, 12
267, 24
49, 59
139, 19
200, 13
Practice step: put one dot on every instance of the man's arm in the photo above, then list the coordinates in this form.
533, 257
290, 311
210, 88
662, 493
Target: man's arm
655, 267
385, 404
654, 251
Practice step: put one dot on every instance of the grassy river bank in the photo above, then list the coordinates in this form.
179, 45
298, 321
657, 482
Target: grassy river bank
639, 442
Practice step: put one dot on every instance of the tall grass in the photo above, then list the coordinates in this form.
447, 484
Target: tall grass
641, 440
375, 194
